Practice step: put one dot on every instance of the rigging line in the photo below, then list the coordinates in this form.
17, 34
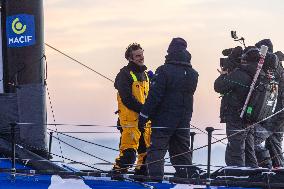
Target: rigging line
145, 185
96, 125
95, 132
206, 133
266, 131
25, 160
82, 64
217, 141
219, 134
69, 124
76, 138
53, 116
178, 165
79, 162
87, 141
81, 150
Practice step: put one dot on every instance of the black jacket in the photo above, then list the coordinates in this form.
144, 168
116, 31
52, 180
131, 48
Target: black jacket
234, 88
170, 97
123, 83
278, 120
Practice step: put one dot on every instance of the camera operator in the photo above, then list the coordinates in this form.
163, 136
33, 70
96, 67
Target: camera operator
234, 86
270, 155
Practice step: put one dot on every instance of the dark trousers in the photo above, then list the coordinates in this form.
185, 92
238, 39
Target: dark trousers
269, 155
240, 149
177, 142
274, 145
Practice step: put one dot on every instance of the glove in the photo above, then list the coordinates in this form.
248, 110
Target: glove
142, 120
150, 74
118, 126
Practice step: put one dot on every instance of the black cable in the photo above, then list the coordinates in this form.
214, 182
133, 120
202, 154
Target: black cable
53, 115
82, 150
86, 141
205, 133
79, 62
94, 132
217, 141
77, 162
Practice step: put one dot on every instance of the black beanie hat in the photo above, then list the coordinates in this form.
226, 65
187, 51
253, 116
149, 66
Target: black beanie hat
251, 54
177, 51
177, 44
266, 42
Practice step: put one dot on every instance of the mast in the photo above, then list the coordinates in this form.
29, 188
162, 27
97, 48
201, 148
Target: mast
23, 71
1, 56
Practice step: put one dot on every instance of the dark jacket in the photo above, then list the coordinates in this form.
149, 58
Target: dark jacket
278, 120
123, 83
234, 88
170, 97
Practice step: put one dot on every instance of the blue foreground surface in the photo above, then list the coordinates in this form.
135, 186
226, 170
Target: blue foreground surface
55, 182
28, 181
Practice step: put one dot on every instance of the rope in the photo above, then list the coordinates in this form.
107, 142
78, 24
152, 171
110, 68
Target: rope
95, 132
205, 133
204, 146
249, 127
53, 116
115, 126
81, 150
77, 162
86, 141
77, 61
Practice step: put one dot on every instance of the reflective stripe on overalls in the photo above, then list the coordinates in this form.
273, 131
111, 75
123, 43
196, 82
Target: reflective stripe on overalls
129, 119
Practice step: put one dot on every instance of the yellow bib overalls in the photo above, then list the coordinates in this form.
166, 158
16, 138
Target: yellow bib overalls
129, 121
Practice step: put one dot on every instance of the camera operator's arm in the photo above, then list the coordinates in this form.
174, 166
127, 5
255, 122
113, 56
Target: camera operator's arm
225, 82
222, 72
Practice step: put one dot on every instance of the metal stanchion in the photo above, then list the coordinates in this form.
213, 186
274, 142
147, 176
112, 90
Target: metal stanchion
210, 131
192, 134
50, 144
13, 150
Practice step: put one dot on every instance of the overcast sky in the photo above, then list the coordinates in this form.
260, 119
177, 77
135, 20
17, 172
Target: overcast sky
97, 32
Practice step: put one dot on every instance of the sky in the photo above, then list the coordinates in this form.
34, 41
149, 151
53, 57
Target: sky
97, 32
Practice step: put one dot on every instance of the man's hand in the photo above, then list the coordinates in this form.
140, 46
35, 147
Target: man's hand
142, 120
222, 72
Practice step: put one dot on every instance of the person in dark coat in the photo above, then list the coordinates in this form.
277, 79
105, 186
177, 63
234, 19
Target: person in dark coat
271, 131
274, 142
234, 88
169, 106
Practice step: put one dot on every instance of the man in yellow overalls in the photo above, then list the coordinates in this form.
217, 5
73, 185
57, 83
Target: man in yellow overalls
132, 83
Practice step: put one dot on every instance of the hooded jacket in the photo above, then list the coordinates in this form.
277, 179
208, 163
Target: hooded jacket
234, 89
171, 92
123, 83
